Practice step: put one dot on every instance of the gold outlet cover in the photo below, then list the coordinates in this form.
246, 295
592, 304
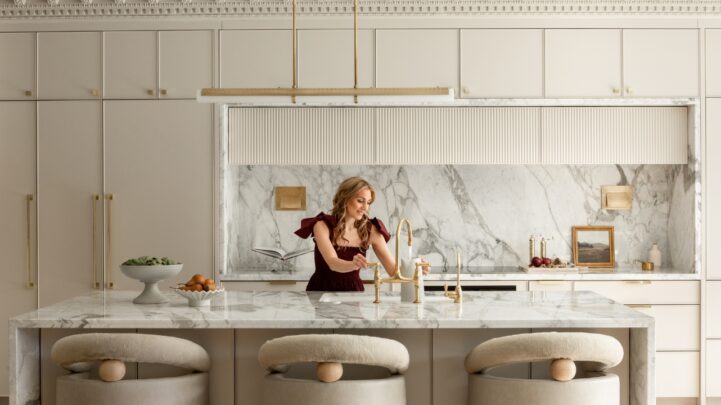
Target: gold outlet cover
290, 198
616, 197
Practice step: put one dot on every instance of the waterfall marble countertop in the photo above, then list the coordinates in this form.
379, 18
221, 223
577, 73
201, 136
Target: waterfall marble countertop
286, 309
481, 274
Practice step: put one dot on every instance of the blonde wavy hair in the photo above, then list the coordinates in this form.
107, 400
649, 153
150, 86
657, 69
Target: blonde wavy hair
347, 190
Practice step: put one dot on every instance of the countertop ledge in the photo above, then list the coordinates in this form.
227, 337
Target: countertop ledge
483, 274
295, 309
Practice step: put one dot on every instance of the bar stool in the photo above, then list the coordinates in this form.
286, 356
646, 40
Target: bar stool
79, 354
284, 386
594, 352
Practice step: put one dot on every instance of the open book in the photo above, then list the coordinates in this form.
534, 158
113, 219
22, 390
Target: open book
281, 254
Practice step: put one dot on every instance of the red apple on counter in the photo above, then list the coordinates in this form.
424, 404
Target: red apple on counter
536, 262
546, 261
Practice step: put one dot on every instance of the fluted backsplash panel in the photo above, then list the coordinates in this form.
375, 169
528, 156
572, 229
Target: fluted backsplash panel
487, 211
295, 136
453, 135
614, 135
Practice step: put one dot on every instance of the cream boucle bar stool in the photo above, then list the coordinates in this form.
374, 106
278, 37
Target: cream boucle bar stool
595, 353
330, 352
78, 353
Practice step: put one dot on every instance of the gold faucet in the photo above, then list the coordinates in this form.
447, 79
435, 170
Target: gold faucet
397, 277
457, 294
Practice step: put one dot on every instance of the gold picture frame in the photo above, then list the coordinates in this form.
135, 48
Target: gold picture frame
593, 246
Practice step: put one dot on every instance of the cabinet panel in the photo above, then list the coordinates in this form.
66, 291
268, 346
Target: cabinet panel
713, 63
550, 285
417, 58
583, 63
69, 65
158, 162
713, 309
660, 62
677, 374
69, 173
219, 345
677, 326
186, 63
17, 181
325, 58
17, 66
256, 58
713, 188
657, 292
713, 368
130, 64
501, 63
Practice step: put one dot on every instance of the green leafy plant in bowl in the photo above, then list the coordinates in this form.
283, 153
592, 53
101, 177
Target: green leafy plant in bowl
150, 270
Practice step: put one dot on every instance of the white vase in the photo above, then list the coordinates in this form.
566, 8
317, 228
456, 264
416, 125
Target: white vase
654, 256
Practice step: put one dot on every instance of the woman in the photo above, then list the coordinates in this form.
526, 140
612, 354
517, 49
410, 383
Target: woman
343, 238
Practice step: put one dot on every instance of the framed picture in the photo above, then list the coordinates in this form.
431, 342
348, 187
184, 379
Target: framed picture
593, 246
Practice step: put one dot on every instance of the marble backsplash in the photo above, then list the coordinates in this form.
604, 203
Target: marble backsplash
487, 211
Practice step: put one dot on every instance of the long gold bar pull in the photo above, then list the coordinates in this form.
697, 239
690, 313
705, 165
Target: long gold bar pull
28, 201
295, 54
96, 284
109, 255
355, 48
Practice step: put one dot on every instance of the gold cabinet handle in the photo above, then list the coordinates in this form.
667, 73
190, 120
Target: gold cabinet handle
282, 282
150, 92
637, 282
629, 90
616, 90
639, 306
465, 90
109, 255
29, 93
96, 284
94, 92
28, 201
163, 92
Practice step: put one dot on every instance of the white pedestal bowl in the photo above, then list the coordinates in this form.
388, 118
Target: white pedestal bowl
151, 275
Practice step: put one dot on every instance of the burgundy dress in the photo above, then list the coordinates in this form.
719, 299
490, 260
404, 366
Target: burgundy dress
325, 279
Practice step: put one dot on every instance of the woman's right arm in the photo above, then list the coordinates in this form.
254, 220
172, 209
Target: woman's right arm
322, 239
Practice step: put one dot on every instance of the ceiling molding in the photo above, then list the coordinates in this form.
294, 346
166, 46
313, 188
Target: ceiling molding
86, 9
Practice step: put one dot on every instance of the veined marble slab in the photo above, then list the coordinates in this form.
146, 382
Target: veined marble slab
482, 274
273, 309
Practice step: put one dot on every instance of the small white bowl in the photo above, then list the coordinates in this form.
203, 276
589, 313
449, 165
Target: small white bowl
198, 298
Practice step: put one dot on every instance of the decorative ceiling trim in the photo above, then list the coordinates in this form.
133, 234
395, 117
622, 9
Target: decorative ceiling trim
165, 8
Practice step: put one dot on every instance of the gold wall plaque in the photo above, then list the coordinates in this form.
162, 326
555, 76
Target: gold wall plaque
616, 197
290, 198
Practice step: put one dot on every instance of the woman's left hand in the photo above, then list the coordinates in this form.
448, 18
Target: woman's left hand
426, 267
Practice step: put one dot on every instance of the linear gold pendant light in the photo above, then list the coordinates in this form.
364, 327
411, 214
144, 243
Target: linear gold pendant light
444, 93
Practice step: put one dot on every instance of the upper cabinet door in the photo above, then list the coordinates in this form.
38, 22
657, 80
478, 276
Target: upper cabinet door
325, 58
500, 63
583, 63
69, 65
660, 62
713, 187
17, 66
130, 64
417, 58
186, 63
713, 63
256, 58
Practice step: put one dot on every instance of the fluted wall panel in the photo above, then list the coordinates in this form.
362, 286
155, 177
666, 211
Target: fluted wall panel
614, 135
298, 136
459, 135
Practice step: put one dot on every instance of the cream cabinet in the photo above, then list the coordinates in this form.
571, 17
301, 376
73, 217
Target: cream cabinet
417, 58
677, 374
69, 217
713, 188
17, 216
256, 58
583, 63
69, 65
713, 368
713, 63
501, 63
150, 64
17, 80
159, 171
325, 58
660, 62
713, 309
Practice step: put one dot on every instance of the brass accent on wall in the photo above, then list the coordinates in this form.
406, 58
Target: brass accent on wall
616, 197
290, 198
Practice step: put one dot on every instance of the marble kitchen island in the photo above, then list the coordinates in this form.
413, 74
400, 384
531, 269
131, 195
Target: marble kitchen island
438, 333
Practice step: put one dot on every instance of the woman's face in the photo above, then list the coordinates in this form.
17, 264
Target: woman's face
359, 204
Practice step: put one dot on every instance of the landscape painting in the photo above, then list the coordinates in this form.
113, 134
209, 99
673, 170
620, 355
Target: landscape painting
593, 246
